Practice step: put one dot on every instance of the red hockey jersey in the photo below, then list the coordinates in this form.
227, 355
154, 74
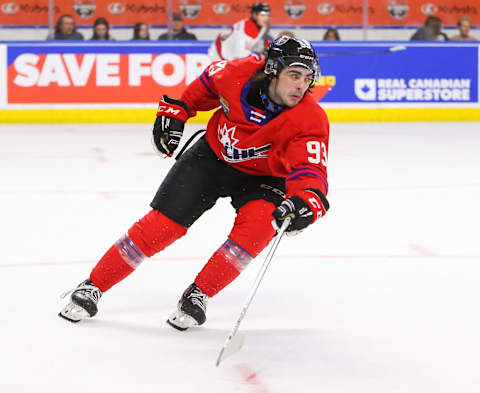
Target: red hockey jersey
293, 144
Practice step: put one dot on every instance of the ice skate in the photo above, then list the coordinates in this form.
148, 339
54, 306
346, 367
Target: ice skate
191, 309
83, 302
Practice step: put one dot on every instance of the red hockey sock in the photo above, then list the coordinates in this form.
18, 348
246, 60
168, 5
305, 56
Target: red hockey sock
145, 238
251, 233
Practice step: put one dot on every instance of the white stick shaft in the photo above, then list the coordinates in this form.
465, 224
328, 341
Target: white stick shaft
255, 286
261, 273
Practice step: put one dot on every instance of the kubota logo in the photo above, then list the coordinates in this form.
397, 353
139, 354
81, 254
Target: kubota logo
221, 8
429, 8
10, 8
116, 8
325, 8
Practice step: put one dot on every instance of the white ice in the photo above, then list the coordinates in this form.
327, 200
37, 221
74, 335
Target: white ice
380, 296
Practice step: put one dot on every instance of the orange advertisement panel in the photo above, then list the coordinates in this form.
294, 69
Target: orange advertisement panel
99, 74
219, 12
59, 73
101, 77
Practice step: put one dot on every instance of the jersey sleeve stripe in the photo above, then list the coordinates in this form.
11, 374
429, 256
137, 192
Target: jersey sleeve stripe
306, 173
304, 169
325, 184
309, 173
205, 74
206, 86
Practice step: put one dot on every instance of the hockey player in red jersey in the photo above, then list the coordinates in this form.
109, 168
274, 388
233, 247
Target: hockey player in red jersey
245, 37
265, 148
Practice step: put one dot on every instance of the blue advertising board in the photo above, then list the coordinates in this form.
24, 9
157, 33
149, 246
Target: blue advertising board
354, 76
420, 73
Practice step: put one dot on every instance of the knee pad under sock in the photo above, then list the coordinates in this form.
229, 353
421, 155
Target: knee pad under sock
145, 238
251, 233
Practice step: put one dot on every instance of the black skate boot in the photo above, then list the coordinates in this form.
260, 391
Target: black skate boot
191, 309
83, 302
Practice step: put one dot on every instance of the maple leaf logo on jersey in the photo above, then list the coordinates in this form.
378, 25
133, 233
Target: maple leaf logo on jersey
226, 135
233, 154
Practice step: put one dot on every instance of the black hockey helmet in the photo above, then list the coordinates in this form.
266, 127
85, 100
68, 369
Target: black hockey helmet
260, 7
288, 51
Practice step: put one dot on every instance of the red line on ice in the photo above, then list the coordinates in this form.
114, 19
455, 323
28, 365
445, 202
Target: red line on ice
281, 257
251, 377
422, 250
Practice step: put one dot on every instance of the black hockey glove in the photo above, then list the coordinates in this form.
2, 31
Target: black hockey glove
303, 208
168, 128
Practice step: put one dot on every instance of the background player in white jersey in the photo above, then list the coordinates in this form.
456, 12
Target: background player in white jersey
245, 37
265, 148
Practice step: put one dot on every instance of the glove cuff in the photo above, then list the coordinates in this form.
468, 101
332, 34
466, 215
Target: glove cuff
317, 202
171, 107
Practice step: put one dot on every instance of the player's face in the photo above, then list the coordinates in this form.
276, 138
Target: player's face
101, 31
464, 28
262, 18
290, 86
143, 32
67, 26
330, 36
177, 26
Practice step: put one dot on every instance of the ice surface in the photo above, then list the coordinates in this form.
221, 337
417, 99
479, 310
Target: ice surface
380, 296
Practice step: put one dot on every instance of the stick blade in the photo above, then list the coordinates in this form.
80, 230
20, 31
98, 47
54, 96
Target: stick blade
232, 345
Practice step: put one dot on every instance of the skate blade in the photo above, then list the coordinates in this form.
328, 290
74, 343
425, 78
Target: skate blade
73, 313
181, 321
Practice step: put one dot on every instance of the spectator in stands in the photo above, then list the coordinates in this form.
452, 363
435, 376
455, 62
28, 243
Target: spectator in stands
101, 30
178, 30
430, 31
141, 31
464, 25
245, 37
331, 35
65, 29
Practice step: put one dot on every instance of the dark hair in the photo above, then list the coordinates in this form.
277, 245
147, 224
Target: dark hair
434, 26
335, 33
260, 7
58, 32
136, 31
432, 20
261, 80
100, 21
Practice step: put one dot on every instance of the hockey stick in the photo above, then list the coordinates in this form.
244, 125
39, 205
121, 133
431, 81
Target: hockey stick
365, 52
187, 143
234, 341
